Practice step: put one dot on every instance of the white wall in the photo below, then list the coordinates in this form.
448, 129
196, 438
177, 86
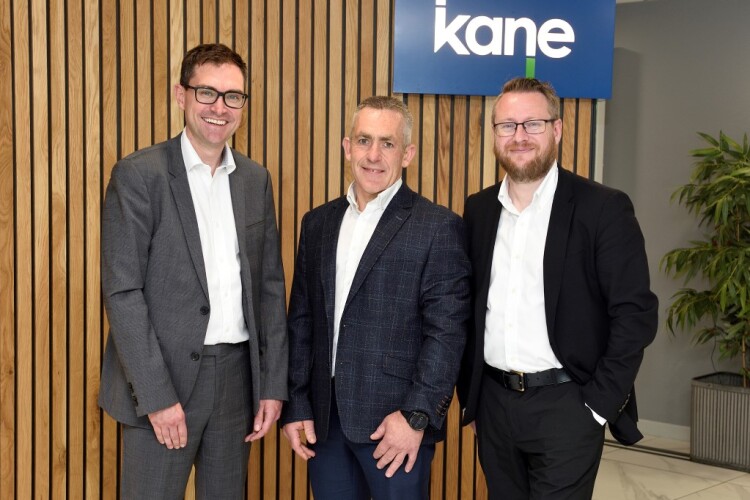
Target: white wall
680, 67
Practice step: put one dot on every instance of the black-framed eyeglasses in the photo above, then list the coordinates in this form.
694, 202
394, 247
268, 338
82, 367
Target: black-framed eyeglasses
507, 129
208, 95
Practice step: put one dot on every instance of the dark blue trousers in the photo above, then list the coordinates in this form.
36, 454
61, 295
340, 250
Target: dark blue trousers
344, 470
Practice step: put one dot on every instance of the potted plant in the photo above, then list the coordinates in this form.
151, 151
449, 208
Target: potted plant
719, 195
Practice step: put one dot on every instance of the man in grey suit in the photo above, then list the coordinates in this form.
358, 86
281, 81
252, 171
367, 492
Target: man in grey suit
380, 300
195, 366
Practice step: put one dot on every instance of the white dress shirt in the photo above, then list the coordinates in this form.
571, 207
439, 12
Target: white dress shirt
356, 230
516, 329
221, 252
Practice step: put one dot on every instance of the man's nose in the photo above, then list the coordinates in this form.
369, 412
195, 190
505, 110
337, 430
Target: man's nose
219, 106
520, 133
373, 154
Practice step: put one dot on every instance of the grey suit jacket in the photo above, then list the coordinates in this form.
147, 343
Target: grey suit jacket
404, 323
155, 288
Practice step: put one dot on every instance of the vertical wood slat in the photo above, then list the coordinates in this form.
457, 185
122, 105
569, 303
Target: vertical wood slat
161, 90
382, 44
318, 88
8, 396
176, 47
92, 81
142, 18
93, 189
242, 46
336, 49
351, 77
256, 115
59, 249
41, 228
110, 133
18, 131
76, 263
367, 48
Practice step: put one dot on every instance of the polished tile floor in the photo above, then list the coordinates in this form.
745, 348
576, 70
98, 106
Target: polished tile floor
660, 469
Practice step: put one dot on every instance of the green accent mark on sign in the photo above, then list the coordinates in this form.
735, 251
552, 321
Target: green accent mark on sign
530, 67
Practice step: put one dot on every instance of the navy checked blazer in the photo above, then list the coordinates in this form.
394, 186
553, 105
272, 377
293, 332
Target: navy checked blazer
404, 323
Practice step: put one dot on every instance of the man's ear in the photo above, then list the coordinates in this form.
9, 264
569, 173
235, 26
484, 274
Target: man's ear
179, 95
557, 129
409, 153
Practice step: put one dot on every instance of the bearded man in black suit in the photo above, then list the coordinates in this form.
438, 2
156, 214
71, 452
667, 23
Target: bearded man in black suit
562, 310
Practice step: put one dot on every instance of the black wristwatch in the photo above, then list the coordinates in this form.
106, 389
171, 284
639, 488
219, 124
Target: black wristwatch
418, 420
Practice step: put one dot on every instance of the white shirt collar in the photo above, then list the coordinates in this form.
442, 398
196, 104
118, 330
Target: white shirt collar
542, 196
381, 201
192, 160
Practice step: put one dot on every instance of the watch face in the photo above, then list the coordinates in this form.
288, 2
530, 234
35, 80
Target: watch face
418, 420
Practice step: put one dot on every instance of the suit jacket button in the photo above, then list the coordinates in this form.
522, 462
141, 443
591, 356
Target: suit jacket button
205, 310
195, 356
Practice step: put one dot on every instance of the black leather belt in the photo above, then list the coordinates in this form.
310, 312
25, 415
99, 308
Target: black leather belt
519, 381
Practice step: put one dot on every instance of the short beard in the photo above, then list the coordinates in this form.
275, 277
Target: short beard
535, 170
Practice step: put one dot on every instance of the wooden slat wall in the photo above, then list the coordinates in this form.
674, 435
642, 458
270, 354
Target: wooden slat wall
84, 83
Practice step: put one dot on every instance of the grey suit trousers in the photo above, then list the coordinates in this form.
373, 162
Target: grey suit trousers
219, 416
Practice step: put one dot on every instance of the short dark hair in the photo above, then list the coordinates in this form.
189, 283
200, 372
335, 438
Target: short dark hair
392, 104
529, 85
210, 53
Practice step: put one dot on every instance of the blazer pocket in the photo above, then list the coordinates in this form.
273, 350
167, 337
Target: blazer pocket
398, 367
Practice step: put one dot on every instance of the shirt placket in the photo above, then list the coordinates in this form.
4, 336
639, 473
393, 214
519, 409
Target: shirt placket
518, 238
220, 248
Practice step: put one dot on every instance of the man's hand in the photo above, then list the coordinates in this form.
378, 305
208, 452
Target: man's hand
397, 442
268, 413
169, 426
292, 433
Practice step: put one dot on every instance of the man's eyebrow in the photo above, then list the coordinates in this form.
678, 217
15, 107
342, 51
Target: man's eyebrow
217, 90
386, 138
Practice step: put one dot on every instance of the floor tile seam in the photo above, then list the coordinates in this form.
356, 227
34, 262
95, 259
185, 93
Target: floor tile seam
650, 450
702, 490
716, 482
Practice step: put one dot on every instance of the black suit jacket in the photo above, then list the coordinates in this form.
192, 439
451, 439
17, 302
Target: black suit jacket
403, 327
600, 311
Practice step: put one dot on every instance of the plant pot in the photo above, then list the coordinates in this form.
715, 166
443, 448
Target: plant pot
720, 427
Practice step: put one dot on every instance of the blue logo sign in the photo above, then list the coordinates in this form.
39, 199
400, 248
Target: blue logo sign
472, 47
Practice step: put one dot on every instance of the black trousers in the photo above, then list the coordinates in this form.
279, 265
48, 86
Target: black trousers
542, 443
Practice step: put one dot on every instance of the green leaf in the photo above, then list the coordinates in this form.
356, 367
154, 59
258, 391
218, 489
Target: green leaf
718, 194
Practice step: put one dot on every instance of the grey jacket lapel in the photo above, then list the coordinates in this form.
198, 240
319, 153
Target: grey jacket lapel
185, 208
398, 210
236, 181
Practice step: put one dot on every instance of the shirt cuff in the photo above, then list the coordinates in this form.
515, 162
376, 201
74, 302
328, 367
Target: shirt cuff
597, 417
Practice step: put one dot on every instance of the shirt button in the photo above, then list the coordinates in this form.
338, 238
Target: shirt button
195, 356
205, 310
